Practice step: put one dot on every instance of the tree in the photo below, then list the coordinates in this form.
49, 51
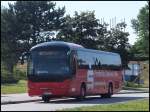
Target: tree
9, 42
22, 25
35, 17
141, 27
115, 40
85, 29
82, 29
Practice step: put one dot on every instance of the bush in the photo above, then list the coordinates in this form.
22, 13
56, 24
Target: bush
21, 75
6, 77
132, 84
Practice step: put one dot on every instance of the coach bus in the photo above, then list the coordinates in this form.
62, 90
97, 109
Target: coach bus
62, 69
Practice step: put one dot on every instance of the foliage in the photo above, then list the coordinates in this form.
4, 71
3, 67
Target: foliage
81, 29
20, 74
85, 29
132, 84
21, 27
9, 44
6, 77
141, 27
117, 41
35, 17
27, 23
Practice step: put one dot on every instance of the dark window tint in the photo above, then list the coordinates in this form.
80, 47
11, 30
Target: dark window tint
93, 60
50, 62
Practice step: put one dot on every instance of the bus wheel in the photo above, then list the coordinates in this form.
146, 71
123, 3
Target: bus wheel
46, 99
82, 93
110, 92
103, 95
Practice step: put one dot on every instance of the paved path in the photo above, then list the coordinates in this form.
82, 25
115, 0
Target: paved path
23, 97
17, 98
58, 104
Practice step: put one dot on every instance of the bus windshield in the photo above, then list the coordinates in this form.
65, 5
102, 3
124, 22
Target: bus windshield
54, 62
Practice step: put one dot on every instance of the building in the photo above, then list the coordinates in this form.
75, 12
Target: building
138, 72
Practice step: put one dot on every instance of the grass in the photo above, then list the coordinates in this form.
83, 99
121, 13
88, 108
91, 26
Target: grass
136, 105
20, 87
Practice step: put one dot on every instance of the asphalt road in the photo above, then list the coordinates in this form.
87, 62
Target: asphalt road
57, 104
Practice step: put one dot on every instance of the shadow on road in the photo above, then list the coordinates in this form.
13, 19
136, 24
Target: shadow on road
93, 100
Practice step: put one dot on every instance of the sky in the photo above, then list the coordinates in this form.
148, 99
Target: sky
109, 10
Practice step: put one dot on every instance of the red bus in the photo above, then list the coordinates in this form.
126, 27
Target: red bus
62, 69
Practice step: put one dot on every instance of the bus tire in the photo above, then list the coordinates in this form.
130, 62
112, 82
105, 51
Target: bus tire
82, 92
110, 92
46, 99
103, 95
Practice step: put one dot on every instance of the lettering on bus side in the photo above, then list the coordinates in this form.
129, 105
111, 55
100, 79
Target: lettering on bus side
90, 79
106, 73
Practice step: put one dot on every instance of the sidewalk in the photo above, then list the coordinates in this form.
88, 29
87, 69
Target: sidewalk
17, 98
133, 91
23, 97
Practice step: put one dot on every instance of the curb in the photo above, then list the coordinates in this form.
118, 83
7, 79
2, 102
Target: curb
133, 92
136, 89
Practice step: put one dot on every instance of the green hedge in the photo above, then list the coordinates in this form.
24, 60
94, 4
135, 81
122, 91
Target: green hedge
20, 74
6, 77
132, 84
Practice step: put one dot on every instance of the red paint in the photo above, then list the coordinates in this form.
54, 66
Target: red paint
71, 87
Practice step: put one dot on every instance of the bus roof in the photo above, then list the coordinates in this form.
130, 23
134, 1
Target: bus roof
57, 43
71, 46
